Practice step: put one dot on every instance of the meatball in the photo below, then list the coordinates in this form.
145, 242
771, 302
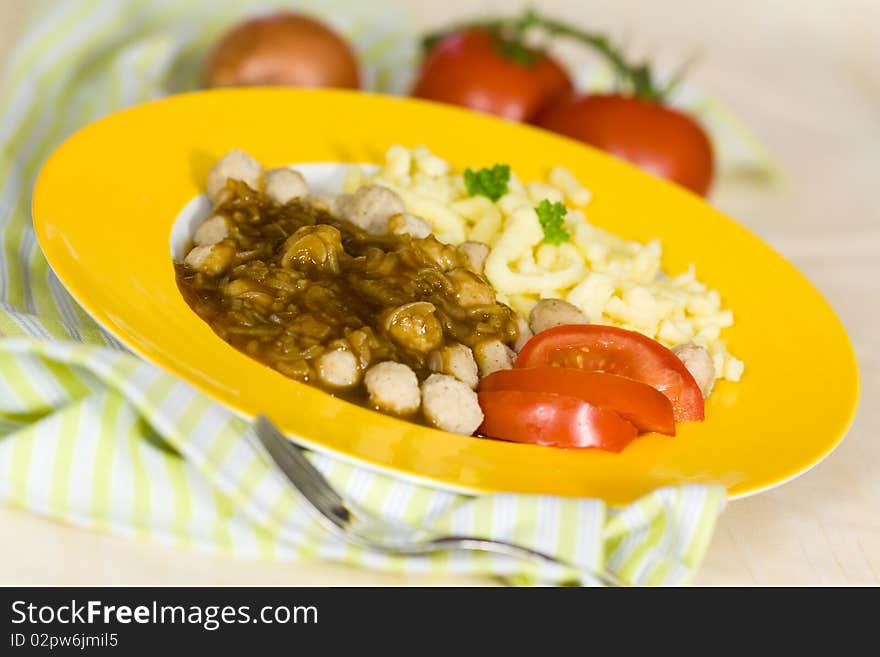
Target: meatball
236, 165
212, 230
548, 313
338, 369
212, 259
699, 363
470, 288
283, 185
525, 334
456, 360
475, 254
409, 224
371, 207
315, 247
493, 355
450, 405
414, 326
393, 387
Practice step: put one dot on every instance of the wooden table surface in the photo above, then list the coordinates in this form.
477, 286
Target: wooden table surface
805, 77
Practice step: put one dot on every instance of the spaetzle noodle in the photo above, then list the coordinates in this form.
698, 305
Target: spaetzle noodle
613, 280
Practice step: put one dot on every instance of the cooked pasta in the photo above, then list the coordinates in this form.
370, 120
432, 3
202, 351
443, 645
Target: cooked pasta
612, 280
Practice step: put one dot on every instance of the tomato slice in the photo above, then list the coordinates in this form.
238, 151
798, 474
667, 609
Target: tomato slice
617, 351
546, 418
639, 403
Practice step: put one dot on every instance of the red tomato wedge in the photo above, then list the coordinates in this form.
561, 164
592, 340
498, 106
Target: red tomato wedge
647, 408
545, 418
617, 351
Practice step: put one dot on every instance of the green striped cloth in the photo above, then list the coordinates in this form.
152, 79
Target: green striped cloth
96, 437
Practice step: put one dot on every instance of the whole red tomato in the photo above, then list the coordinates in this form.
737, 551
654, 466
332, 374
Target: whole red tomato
656, 138
471, 68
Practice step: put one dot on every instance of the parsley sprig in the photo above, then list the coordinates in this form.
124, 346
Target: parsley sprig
491, 183
551, 216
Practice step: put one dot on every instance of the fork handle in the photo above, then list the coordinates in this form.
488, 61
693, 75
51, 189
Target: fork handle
469, 543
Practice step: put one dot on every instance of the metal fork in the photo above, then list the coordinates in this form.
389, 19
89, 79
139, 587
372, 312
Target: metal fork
368, 530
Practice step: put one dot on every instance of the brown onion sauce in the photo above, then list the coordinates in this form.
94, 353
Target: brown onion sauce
286, 301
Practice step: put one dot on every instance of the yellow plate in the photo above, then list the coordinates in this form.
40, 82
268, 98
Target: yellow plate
105, 202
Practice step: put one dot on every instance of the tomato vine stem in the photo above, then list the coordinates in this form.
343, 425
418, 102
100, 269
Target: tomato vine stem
633, 79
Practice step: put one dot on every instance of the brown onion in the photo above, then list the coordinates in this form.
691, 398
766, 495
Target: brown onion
283, 49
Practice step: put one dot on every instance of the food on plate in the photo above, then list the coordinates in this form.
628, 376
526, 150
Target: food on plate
449, 404
211, 231
283, 185
235, 165
551, 216
643, 405
549, 313
475, 252
468, 301
343, 303
525, 334
699, 363
611, 280
371, 207
456, 360
545, 418
493, 355
338, 369
211, 259
613, 350
493, 65
405, 223
284, 49
394, 388
482, 70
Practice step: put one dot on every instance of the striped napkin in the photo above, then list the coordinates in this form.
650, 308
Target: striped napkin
96, 437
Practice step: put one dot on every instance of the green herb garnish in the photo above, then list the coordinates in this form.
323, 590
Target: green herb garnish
551, 216
491, 183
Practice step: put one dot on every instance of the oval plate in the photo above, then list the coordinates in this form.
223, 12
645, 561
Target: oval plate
106, 200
